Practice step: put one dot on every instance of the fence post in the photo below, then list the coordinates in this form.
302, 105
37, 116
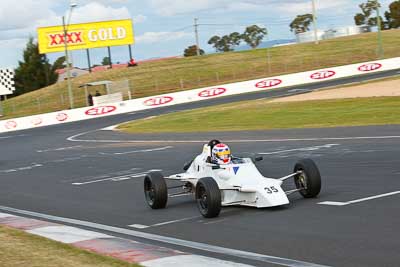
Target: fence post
1, 107
217, 76
156, 84
130, 82
181, 82
62, 100
38, 102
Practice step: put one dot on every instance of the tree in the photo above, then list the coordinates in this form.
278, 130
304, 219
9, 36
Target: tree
192, 51
35, 71
301, 23
253, 35
106, 61
225, 43
366, 17
393, 15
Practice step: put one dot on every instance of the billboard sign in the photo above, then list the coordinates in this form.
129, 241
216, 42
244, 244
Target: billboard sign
85, 36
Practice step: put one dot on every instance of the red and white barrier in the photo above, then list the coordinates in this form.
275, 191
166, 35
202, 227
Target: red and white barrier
257, 85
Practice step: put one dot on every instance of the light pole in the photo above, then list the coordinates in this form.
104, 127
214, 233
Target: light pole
315, 22
379, 25
65, 28
196, 33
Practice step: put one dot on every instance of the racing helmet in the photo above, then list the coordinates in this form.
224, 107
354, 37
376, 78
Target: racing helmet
221, 154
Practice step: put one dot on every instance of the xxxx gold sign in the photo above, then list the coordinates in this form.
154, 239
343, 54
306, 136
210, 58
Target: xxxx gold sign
86, 35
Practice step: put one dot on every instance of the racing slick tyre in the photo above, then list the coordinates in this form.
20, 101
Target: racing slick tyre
208, 197
309, 178
155, 190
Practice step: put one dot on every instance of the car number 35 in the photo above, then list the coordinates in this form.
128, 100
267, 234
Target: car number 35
271, 190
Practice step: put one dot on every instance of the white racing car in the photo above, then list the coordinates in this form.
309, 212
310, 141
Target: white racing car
237, 182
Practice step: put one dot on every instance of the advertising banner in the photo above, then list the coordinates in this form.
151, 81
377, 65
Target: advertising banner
85, 36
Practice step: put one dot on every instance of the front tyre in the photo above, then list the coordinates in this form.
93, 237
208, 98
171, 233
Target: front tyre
208, 197
155, 190
309, 179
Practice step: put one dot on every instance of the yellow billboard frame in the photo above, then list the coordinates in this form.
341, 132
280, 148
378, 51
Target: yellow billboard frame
85, 36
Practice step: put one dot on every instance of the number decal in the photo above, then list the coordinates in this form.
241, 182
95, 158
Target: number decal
271, 190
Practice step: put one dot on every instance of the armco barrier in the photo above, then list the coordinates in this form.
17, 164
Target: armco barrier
198, 94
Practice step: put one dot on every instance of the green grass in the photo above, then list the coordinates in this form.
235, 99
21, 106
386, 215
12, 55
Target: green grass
165, 76
18, 248
263, 115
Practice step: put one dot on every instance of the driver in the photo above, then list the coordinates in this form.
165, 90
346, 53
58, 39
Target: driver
221, 154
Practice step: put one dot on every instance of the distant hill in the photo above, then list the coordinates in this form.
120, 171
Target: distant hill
267, 44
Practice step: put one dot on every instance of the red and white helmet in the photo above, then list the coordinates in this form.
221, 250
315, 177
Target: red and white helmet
221, 154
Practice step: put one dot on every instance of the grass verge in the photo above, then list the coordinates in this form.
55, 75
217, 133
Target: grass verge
263, 115
18, 248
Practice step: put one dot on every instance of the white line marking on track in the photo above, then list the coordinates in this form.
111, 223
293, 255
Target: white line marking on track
110, 128
138, 151
215, 221
117, 178
141, 226
74, 138
58, 149
171, 240
175, 221
12, 136
310, 148
335, 203
34, 165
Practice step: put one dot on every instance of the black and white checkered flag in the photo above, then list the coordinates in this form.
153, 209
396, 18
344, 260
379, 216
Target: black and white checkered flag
6, 81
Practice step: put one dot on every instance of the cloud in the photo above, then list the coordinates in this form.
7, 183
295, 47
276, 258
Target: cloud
156, 37
94, 11
139, 18
22, 20
175, 7
21, 15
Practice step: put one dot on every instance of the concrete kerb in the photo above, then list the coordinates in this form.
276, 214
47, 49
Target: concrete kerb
123, 249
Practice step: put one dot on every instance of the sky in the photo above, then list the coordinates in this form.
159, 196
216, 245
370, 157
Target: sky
162, 27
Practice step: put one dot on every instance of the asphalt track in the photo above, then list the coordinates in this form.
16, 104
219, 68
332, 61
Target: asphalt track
97, 177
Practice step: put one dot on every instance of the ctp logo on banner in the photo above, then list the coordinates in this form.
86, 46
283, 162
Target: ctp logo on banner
323, 74
212, 92
370, 67
268, 83
11, 125
158, 101
100, 110
62, 116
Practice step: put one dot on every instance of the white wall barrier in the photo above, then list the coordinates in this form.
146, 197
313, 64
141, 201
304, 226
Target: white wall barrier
198, 94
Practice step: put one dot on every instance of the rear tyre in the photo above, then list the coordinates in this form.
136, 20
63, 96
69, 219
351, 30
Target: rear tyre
155, 190
208, 197
309, 178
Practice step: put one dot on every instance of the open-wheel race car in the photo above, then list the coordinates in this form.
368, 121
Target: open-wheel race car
217, 182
